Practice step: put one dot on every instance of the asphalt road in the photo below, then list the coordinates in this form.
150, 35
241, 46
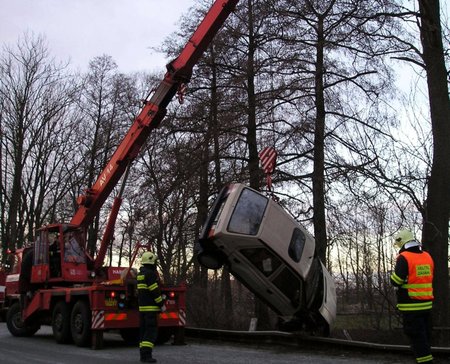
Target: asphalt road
41, 348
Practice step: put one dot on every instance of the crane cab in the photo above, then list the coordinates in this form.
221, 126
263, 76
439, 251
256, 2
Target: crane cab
58, 255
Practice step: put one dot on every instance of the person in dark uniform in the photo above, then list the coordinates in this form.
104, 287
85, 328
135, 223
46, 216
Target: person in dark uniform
413, 275
55, 255
150, 304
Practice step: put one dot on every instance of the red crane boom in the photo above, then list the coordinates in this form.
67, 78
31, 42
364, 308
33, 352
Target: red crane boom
179, 71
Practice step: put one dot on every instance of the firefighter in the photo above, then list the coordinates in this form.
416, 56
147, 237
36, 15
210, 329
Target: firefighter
150, 304
55, 255
413, 277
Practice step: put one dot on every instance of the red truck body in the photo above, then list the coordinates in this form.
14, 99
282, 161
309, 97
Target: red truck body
80, 307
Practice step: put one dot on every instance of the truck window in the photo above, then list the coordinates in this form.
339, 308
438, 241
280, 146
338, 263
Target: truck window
248, 213
72, 249
41, 249
15, 267
262, 259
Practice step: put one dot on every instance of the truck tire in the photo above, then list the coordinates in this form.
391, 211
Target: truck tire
61, 323
15, 324
80, 323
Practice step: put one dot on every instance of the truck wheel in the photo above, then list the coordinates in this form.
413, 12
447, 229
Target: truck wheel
15, 324
61, 323
80, 323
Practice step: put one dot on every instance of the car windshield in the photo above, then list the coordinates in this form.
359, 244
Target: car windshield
248, 213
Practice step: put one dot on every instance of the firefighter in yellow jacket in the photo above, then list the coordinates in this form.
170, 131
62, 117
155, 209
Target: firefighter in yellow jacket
413, 275
150, 304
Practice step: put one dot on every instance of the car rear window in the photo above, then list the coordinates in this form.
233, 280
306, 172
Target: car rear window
248, 213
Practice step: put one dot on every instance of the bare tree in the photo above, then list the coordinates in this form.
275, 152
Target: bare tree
35, 94
107, 106
339, 61
170, 198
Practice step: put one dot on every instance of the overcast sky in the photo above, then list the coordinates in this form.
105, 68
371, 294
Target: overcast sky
78, 30
82, 29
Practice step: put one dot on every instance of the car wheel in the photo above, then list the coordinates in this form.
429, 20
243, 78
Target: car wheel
210, 260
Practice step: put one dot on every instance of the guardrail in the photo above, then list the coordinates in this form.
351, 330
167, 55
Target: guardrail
300, 340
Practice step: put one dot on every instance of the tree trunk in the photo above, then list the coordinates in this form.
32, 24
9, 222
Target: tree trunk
318, 182
436, 219
261, 309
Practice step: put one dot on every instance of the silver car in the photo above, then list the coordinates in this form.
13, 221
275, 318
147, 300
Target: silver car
268, 251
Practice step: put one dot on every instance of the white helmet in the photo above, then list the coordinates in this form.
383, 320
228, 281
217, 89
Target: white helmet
402, 237
148, 258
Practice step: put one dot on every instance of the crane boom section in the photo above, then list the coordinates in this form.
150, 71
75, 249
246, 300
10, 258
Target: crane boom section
178, 71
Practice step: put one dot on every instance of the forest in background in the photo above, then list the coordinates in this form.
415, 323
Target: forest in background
353, 95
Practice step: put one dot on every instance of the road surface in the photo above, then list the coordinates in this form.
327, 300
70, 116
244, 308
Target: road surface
41, 348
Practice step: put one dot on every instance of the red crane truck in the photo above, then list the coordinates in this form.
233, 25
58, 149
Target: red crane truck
55, 281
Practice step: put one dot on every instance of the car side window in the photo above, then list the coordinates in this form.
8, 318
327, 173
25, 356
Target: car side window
297, 245
262, 259
291, 286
